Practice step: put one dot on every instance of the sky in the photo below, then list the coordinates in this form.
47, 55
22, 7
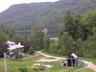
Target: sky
4, 4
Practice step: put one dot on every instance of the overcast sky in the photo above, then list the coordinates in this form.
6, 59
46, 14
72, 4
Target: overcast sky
4, 4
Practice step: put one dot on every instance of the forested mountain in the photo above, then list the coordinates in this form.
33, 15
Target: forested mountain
72, 21
44, 14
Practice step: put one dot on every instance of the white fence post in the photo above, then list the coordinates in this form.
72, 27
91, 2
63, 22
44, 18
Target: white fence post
5, 63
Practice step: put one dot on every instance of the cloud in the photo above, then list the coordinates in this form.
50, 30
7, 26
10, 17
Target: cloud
28, 1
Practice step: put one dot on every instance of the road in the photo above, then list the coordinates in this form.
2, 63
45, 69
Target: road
54, 58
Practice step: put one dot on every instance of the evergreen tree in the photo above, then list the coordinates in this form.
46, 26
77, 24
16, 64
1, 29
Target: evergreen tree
92, 43
67, 44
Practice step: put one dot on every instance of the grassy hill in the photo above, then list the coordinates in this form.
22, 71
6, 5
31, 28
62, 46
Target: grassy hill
27, 65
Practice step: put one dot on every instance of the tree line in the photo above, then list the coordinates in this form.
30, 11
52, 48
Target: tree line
32, 42
78, 35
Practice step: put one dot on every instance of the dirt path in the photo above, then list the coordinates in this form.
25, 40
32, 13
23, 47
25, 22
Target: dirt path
54, 58
27, 57
49, 58
90, 65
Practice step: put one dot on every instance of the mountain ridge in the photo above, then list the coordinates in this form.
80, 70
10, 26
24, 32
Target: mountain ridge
15, 12
45, 14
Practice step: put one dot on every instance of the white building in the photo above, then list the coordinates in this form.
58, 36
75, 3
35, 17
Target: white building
13, 47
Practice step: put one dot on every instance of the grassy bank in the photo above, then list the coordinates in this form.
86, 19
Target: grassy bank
26, 65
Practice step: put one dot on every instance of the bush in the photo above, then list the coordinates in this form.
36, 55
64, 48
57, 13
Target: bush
23, 70
31, 50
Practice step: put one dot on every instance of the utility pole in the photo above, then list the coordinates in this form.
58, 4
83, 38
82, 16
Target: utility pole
5, 63
45, 41
45, 31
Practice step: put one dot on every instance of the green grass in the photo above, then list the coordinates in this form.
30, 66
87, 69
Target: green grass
14, 65
85, 70
58, 68
20, 64
93, 60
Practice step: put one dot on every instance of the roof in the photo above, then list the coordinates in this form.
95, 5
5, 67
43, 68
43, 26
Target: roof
10, 42
13, 45
74, 55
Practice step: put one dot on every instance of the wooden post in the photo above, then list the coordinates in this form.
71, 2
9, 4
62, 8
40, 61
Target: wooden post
5, 63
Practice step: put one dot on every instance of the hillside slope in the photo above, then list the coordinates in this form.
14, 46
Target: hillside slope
35, 11
44, 14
